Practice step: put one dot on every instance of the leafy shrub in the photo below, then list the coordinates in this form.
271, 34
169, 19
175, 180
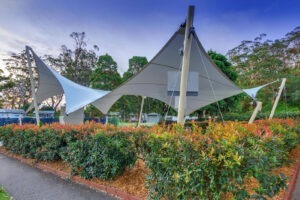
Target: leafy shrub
19, 141
104, 156
209, 166
114, 120
49, 144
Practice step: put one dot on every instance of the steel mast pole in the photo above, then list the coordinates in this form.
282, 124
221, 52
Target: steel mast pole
185, 65
32, 83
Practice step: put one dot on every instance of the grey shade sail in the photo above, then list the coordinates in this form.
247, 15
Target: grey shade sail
51, 83
152, 81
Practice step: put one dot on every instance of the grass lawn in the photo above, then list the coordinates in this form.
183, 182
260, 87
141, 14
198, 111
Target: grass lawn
3, 194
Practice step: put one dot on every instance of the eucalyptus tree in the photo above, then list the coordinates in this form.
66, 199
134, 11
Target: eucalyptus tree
262, 60
18, 95
76, 64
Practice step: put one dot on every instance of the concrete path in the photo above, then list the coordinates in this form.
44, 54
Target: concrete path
296, 192
23, 182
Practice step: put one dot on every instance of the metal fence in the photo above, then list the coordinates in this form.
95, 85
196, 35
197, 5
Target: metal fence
26, 120
32, 120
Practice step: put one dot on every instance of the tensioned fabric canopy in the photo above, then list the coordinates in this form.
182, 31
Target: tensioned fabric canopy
52, 83
160, 79
252, 92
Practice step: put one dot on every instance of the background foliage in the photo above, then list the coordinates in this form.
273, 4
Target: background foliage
251, 63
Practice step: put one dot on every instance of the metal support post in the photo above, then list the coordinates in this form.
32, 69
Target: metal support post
141, 111
32, 82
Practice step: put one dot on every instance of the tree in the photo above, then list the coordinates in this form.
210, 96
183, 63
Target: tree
106, 75
225, 66
293, 43
78, 64
5, 81
136, 63
54, 102
19, 94
261, 61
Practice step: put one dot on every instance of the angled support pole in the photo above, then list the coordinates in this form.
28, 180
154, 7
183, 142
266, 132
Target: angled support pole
277, 98
255, 112
141, 111
32, 83
185, 65
106, 118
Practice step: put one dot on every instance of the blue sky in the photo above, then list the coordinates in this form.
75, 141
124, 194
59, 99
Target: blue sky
126, 28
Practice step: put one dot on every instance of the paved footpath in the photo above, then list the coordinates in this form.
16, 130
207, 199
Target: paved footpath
24, 182
296, 192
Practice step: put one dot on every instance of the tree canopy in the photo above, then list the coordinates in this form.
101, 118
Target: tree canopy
136, 63
76, 64
261, 60
106, 75
18, 94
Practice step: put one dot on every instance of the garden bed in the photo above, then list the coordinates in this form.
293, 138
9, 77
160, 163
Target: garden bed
248, 158
133, 179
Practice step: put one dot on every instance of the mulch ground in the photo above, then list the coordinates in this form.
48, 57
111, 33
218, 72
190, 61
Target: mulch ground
133, 180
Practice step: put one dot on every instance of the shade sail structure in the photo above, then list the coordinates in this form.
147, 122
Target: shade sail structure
160, 79
52, 83
252, 92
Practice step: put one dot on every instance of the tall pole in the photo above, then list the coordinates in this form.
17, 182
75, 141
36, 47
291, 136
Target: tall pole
277, 98
32, 83
141, 111
185, 65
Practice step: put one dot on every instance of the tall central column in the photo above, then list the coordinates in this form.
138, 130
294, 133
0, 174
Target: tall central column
185, 65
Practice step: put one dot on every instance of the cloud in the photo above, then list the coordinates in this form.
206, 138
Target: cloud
125, 31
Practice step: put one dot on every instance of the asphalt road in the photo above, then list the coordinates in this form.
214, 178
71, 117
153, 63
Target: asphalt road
23, 182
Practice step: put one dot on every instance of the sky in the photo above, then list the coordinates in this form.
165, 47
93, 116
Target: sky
126, 28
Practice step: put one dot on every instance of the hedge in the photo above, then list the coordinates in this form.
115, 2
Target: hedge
214, 163
89, 151
103, 156
246, 116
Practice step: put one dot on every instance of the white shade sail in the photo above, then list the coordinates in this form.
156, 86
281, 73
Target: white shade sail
152, 81
252, 92
52, 83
